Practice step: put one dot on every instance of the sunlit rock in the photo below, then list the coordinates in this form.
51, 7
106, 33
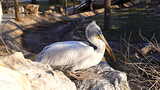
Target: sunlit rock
103, 77
1, 13
13, 80
41, 77
16, 73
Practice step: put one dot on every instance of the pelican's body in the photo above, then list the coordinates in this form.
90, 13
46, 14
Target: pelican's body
76, 54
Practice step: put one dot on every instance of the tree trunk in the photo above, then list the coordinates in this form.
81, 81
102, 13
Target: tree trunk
107, 14
34, 1
16, 6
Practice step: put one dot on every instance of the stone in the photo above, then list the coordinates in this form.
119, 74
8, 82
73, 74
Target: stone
40, 76
1, 13
32, 9
103, 77
13, 80
17, 71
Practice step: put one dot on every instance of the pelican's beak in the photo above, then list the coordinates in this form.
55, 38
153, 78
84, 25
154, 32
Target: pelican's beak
108, 48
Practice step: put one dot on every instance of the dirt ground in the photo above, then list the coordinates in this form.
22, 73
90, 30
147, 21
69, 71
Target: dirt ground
16, 34
32, 34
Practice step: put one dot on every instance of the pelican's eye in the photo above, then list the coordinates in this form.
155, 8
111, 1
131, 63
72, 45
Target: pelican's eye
98, 34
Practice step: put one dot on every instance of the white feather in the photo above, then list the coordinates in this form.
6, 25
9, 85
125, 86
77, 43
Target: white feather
74, 53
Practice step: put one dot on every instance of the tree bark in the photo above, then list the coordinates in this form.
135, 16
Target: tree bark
16, 6
107, 14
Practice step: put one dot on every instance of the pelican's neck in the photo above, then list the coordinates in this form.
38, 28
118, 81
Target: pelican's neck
98, 43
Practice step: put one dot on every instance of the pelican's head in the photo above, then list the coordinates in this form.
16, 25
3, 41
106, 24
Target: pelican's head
94, 31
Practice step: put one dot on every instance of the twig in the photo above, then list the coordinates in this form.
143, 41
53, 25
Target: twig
6, 47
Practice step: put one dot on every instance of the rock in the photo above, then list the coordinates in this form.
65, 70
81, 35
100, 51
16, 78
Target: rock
1, 13
41, 77
13, 80
48, 12
17, 71
103, 77
32, 9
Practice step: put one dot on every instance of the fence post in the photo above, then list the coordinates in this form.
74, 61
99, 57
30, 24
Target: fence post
16, 6
107, 14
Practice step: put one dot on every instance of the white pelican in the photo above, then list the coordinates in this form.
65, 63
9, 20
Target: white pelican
77, 54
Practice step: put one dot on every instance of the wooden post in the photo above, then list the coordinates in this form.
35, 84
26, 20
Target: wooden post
16, 6
66, 4
107, 14
90, 4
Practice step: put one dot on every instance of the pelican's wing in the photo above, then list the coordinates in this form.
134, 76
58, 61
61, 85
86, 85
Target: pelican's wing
65, 53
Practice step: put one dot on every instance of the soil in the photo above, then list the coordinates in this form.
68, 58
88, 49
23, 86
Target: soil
16, 34
32, 34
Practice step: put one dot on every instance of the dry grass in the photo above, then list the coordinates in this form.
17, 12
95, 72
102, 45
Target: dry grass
143, 71
144, 74
4, 50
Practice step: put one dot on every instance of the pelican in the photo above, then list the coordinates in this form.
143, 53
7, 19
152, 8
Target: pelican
77, 54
